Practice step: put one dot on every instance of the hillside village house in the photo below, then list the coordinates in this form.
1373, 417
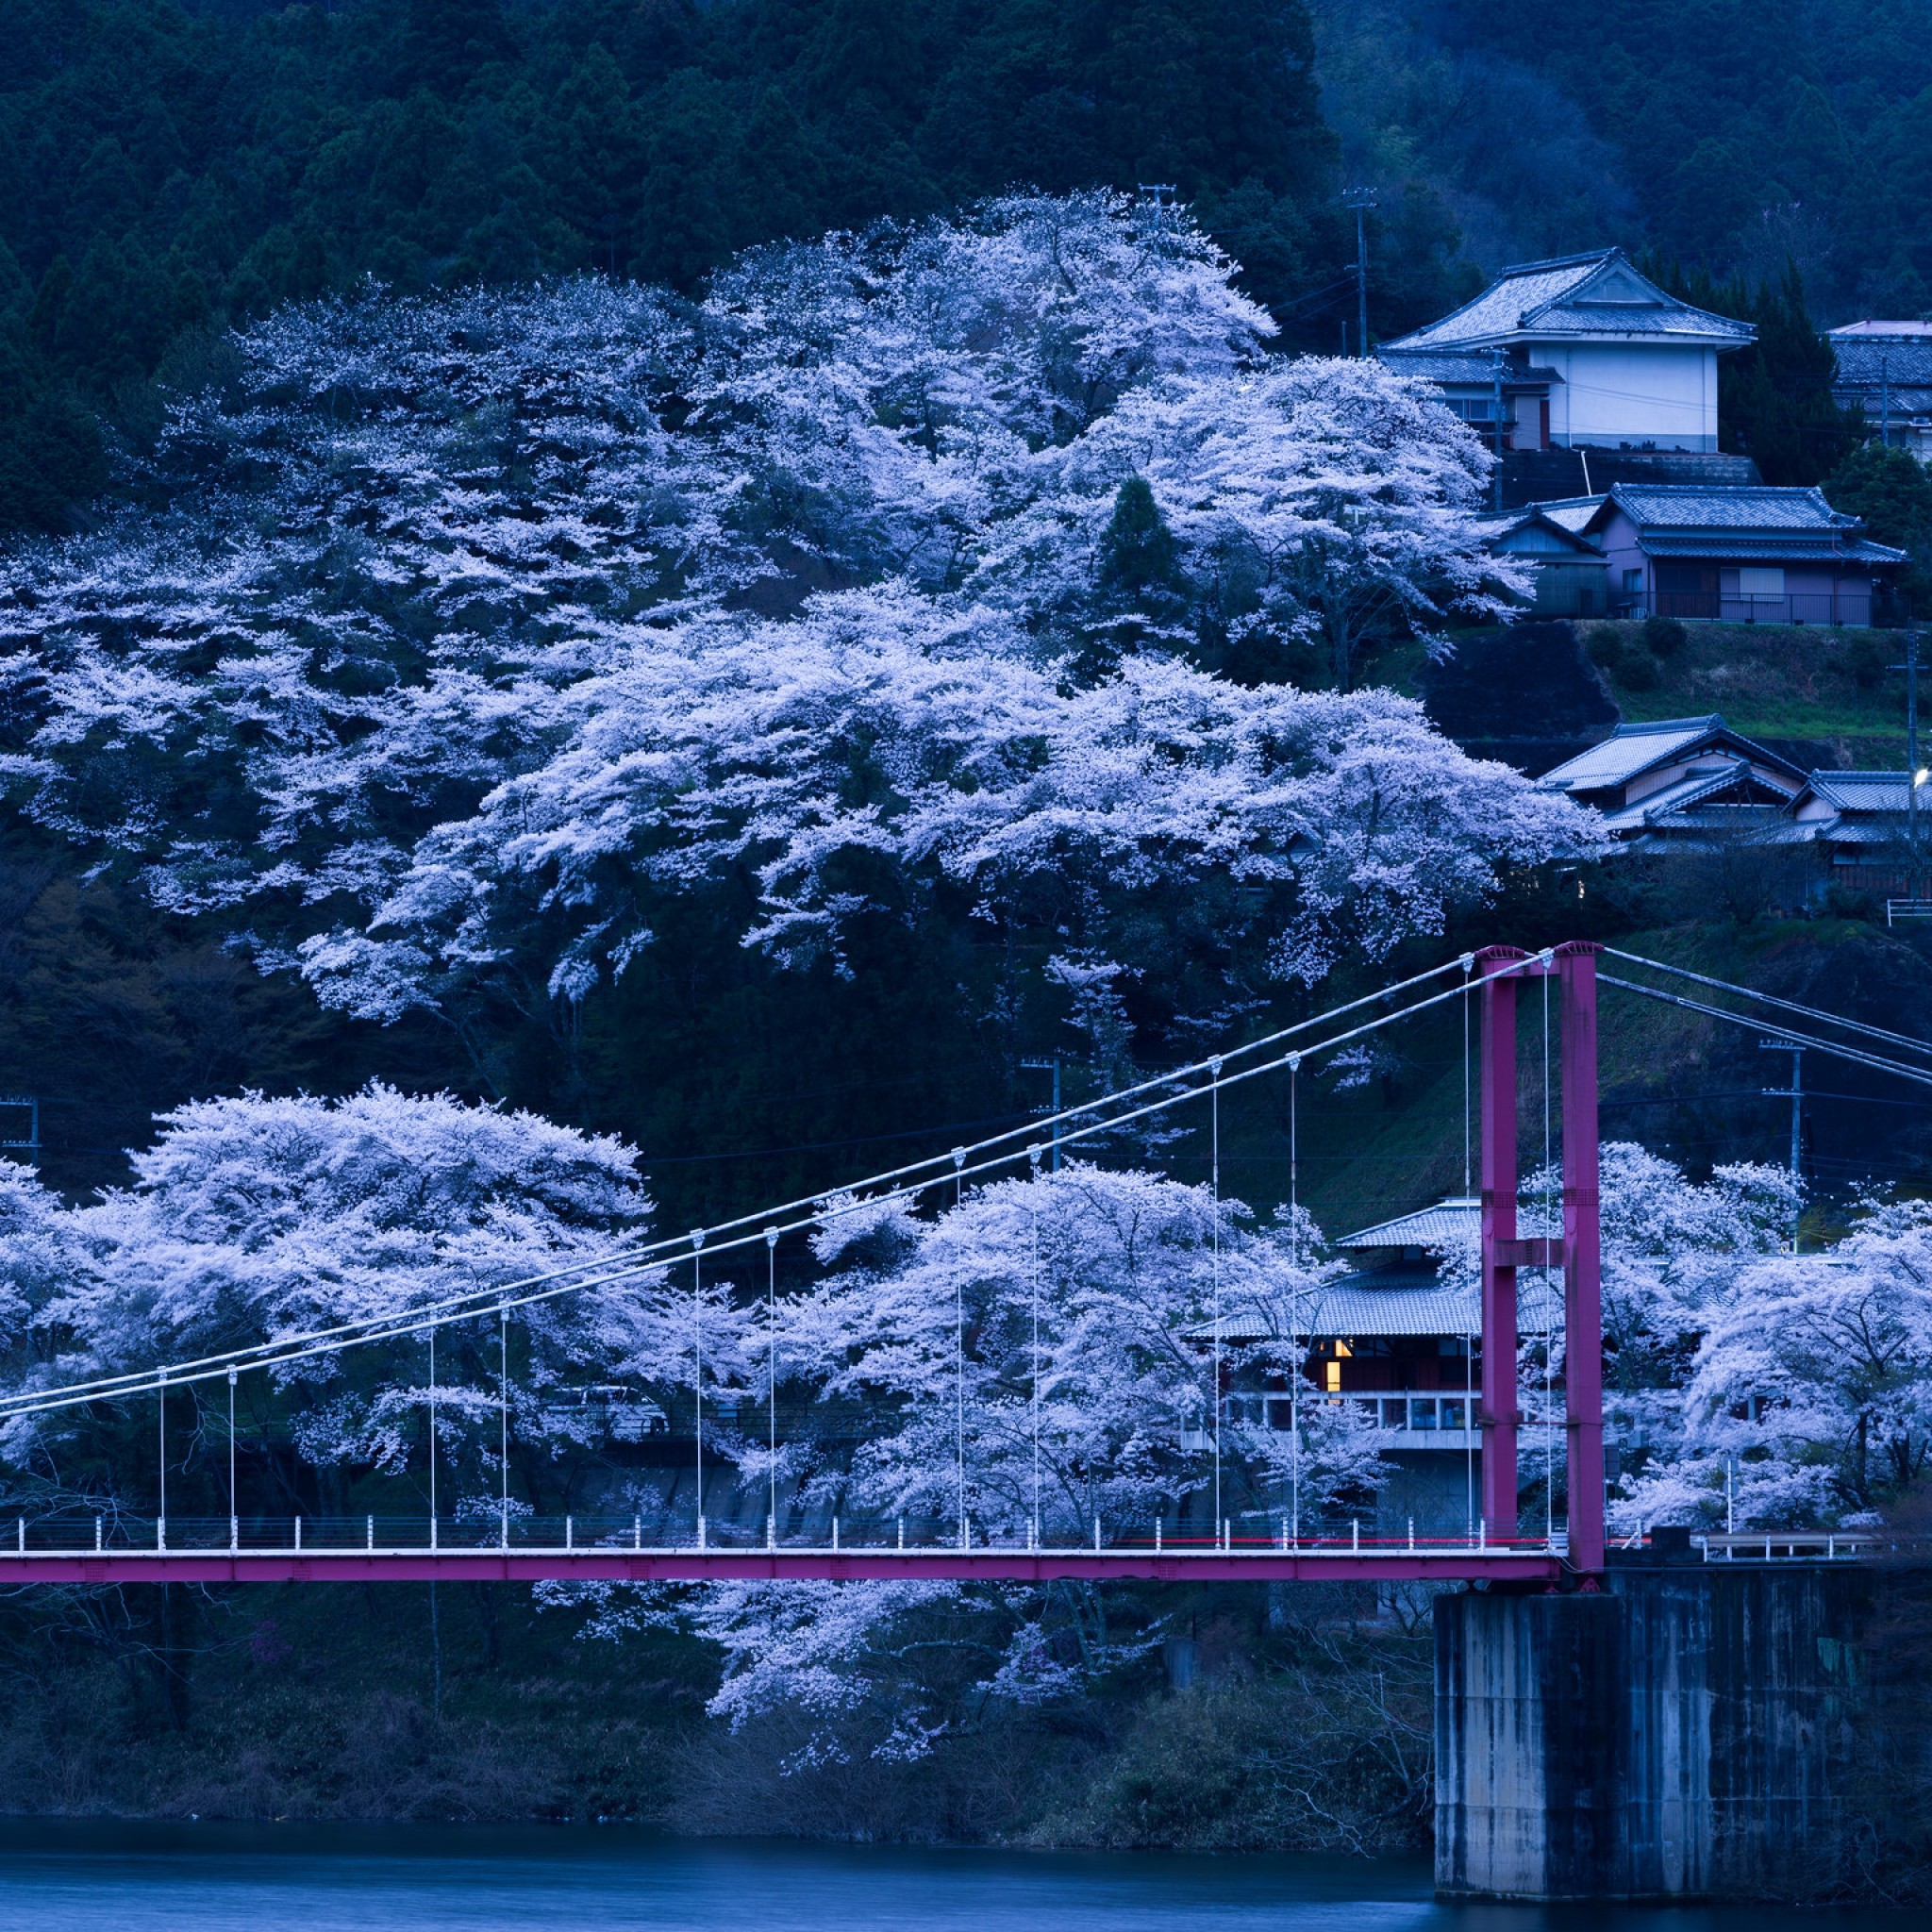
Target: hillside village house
1885, 368
1751, 554
1861, 823
1694, 783
1401, 1342
1581, 351
1680, 780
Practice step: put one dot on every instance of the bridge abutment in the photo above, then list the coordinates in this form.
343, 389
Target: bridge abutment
1684, 1731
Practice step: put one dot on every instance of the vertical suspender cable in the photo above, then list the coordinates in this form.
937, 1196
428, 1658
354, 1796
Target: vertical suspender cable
959, 1360
502, 1412
1214, 1209
1298, 1360
161, 1406
1466, 962
697, 1297
1033, 1219
771, 1322
1549, 1305
234, 1509
432, 1437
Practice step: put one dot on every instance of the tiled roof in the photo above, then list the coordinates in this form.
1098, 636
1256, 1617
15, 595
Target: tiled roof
1674, 800
1390, 1302
1628, 750
1450, 1220
1573, 295
1745, 546
1679, 506
1447, 365
1572, 512
1864, 791
1868, 361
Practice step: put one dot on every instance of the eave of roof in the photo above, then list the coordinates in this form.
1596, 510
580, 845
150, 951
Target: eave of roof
1730, 546
1631, 750
1542, 299
1449, 1219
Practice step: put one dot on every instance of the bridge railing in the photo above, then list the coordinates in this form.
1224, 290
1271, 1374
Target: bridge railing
67, 1533
1789, 1546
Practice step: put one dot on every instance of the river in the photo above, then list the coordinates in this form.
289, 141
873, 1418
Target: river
314, 1878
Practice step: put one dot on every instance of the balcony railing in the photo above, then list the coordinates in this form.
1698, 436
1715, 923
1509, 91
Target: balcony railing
1796, 607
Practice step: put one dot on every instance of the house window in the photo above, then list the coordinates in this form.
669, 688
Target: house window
1632, 582
1761, 583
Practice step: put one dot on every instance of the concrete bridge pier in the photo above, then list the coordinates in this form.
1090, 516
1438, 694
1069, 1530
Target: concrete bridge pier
1684, 1731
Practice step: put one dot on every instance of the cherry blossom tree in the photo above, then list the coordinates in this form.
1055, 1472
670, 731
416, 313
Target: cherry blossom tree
454, 634
257, 1218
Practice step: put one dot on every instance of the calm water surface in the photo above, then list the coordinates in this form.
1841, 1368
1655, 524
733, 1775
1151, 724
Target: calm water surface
291, 1878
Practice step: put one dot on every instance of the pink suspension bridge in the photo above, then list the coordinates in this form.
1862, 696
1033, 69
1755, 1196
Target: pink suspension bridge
79, 1545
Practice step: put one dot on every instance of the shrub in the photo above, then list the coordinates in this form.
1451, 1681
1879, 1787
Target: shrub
1864, 661
1605, 646
1665, 636
1639, 671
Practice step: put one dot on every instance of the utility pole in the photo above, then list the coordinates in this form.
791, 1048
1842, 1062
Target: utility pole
1795, 1095
1914, 776
1163, 193
1361, 200
1885, 401
30, 1105
1043, 1066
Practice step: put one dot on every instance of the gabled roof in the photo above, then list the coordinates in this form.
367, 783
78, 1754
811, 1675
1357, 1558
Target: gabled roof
1701, 787
1571, 512
1757, 523
1631, 750
1862, 791
1453, 1218
1759, 507
1885, 367
1535, 517
1576, 296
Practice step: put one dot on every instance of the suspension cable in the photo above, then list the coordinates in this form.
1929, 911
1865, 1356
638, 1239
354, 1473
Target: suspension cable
1549, 1317
1298, 1358
502, 1412
1921, 1074
642, 1258
826, 1208
697, 1297
1468, 960
1032, 1223
771, 1391
1904, 1040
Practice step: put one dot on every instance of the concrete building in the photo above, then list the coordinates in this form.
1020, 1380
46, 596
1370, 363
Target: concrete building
1578, 351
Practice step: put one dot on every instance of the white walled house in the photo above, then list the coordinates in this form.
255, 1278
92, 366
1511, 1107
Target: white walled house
1588, 354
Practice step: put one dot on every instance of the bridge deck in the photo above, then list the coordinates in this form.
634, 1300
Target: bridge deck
690, 1565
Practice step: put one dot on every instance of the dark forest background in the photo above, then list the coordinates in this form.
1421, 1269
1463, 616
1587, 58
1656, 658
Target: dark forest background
171, 166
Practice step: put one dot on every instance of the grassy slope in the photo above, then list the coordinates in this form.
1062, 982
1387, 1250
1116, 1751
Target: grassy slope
1783, 682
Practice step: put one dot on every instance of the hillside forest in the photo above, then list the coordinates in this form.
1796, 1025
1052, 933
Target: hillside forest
620, 609
171, 167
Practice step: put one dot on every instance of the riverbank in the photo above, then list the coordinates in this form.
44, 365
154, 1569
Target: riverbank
1306, 1725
